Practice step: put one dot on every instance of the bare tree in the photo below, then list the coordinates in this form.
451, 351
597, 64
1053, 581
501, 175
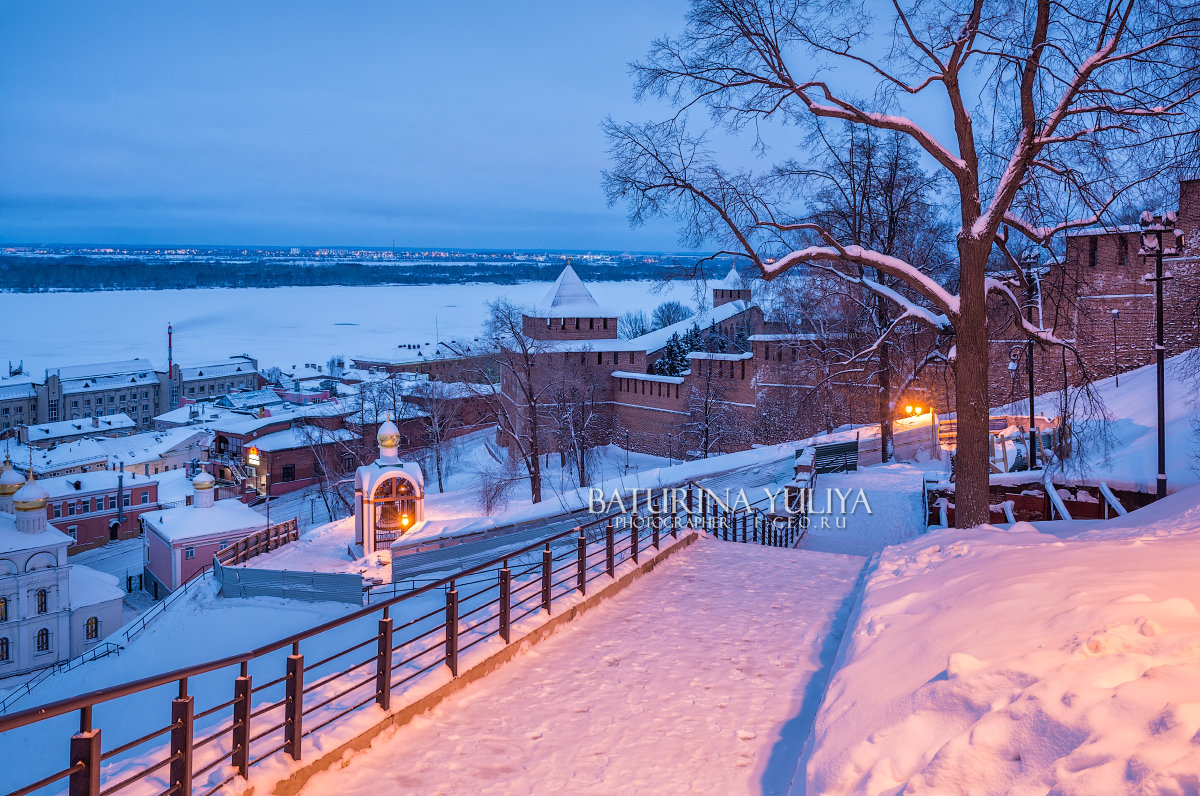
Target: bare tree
668, 313
518, 406
581, 416
441, 401
1088, 102
712, 423
632, 324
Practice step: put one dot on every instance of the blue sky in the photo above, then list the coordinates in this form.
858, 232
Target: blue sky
469, 124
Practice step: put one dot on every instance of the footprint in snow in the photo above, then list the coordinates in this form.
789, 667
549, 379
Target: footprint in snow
746, 735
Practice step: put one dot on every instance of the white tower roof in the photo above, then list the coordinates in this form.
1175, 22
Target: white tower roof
569, 298
732, 281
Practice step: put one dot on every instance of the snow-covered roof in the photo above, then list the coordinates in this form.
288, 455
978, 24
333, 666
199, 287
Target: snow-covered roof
12, 540
568, 297
783, 338
297, 437
102, 369
61, 486
207, 412
625, 374
16, 387
732, 281
151, 445
189, 523
67, 454
409, 353
250, 400
174, 486
88, 425
243, 424
87, 586
653, 341
212, 370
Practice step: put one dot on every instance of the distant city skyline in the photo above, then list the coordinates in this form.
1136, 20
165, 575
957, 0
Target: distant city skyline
473, 126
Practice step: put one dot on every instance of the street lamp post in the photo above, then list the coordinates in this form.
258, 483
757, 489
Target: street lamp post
1153, 227
1116, 372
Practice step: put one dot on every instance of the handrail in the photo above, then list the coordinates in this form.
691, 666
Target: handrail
90, 698
95, 653
1056, 500
1111, 499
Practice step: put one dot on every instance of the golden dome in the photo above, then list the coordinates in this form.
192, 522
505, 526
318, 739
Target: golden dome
10, 479
203, 481
389, 435
31, 497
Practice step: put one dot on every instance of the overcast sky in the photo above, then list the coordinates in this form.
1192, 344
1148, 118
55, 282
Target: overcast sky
466, 124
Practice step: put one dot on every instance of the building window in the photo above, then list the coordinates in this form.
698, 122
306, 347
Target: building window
112, 502
91, 628
189, 552
3, 609
57, 510
73, 532
43, 640
289, 472
145, 497
125, 501
70, 509
42, 600
1092, 251
3, 650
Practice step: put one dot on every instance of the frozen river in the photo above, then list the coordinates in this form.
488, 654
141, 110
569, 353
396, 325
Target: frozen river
279, 326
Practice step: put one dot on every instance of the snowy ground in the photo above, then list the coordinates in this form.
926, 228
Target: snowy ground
1015, 661
893, 492
695, 679
306, 324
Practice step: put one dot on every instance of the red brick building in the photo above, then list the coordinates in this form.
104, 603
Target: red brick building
98, 507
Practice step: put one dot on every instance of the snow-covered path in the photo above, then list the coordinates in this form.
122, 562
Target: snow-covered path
893, 492
702, 677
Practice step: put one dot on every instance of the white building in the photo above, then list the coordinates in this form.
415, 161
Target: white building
181, 542
389, 495
49, 611
153, 452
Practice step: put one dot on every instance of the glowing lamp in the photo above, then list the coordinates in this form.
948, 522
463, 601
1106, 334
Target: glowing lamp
405, 520
909, 409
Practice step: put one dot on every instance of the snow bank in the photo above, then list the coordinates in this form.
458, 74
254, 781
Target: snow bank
991, 662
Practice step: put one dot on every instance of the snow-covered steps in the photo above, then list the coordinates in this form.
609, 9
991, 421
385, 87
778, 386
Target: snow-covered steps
701, 678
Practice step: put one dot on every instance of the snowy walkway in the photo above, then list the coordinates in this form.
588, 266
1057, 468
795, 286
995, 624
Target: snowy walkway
894, 494
702, 677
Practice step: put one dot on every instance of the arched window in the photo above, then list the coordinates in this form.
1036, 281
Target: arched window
43, 640
42, 601
91, 628
3, 650
3, 609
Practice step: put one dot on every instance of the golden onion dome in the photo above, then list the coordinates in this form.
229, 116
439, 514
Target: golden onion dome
10, 479
389, 435
203, 481
31, 497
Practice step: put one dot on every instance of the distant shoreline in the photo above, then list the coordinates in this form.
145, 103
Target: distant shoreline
79, 273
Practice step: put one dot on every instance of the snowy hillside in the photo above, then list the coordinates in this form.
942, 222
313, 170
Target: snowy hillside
997, 661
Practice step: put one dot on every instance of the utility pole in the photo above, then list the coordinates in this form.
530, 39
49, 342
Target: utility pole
1153, 226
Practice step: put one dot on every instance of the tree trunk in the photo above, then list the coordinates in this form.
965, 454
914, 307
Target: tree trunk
971, 496
885, 403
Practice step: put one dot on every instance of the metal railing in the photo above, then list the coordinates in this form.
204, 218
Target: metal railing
95, 653
750, 524
204, 750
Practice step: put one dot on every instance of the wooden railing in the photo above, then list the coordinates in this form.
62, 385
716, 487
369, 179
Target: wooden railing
259, 542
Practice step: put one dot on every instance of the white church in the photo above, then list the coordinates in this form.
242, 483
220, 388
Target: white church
50, 611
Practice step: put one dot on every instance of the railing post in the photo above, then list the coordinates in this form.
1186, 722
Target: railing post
452, 629
546, 563
182, 713
610, 550
691, 501
383, 665
704, 508
633, 536
655, 524
505, 603
85, 749
293, 722
581, 575
241, 722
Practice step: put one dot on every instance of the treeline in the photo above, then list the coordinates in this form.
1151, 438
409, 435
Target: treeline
24, 274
